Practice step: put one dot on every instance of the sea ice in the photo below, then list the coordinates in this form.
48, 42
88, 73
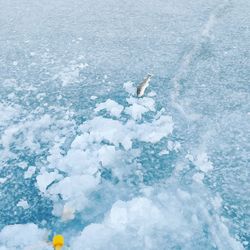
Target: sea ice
24, 236
23, 203
46, 178
111, 106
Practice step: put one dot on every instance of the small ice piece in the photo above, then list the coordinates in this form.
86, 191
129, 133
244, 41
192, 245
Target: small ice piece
147, 102
170, 145
11, 82
23, 165
119, 215
183, 194
159, 113
24, 236
93, 97
40, 96
217, 202
11, 95
123, 219
68, 213
111, 106
15, 63
139, 106
155, 131
198, 177
30, 171
7, 113
23, 203
3, 180
68, 75
129, 87
136, 111
108, 129
179, 167
189, 157
74, 190
107, 155
82, 65
174, 146
147, 191
164, 152
79, 162
152, 94
203, 163
46, 178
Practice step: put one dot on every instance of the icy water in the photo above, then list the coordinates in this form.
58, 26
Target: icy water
81, 156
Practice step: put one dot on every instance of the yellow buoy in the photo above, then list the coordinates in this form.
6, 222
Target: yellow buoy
58, 242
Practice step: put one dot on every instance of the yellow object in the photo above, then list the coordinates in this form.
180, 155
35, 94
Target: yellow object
58, 242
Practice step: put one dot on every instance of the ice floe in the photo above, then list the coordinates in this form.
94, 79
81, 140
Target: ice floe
24, 236
133, 224
111, 106
46, 178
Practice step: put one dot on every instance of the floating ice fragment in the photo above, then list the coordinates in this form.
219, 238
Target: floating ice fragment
23, 203
23, 165
93, 97
189, 157
155, 131
128, 86
7, 113
203, 163
174, 146
198, 177
3, 180
164, 152
217, 201
78, 162
152, 94
74, 190
136, 111
147, 102
139, 106
10, 82
68, 213
111, 106
107, 155
46, 178
24, 236
111, 130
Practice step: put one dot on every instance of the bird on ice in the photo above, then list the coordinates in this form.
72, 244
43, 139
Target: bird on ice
143, 85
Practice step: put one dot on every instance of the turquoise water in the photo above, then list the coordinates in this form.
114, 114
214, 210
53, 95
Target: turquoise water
167, 171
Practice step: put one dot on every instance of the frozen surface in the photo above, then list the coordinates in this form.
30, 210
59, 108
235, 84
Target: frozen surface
27, 236
81, 155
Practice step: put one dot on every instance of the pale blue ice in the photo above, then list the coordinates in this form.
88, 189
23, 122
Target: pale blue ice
82, 156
